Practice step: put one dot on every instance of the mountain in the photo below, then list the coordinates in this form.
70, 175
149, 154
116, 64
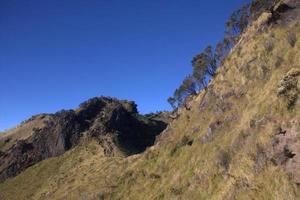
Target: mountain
237, 139
114, 124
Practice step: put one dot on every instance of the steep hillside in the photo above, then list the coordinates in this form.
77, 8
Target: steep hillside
239, 139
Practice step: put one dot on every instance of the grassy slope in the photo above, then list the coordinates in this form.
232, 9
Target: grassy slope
9, 137
174, 170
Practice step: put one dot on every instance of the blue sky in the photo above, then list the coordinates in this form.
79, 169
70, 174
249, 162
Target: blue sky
56, 54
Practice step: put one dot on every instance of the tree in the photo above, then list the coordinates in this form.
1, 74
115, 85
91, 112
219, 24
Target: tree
257, 7
211, 61
236, 24
187, 88
204, 66
199, 70
206, 63
220, 52
172, 102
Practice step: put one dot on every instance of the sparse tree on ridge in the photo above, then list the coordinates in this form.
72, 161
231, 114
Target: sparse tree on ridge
172, 102
237, 24
187, 88
206, 63
220, 52
259, 6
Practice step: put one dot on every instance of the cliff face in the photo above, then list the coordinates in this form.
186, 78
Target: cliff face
115, 124
239, 139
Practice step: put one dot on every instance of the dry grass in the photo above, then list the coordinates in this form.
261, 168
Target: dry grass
21, 132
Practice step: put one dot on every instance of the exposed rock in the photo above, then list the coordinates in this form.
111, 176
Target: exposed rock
211, 131
205, 99
285, 150
222, 106
283, 11
188, 102
160, 116
284, 6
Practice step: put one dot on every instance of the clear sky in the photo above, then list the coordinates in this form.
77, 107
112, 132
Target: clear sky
55, 54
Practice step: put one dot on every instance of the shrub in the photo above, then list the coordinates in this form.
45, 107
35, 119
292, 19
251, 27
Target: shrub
286, 84
292, 39
260, 159
176, 190
278, 61
292, 99
294, 72
101, 196
173, 150
151, 155
288, 89
154, 176
252, 123
269, 45
7, 140
223, 159
185, 140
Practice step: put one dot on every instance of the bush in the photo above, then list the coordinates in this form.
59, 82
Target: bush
7, 140
294, 72
154, 176
286, 84
185, 140
101, 196
292, 39
176, 190
252, 123
269, 45
288, 89
278, 61
260, 159
292, 99
223, 159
